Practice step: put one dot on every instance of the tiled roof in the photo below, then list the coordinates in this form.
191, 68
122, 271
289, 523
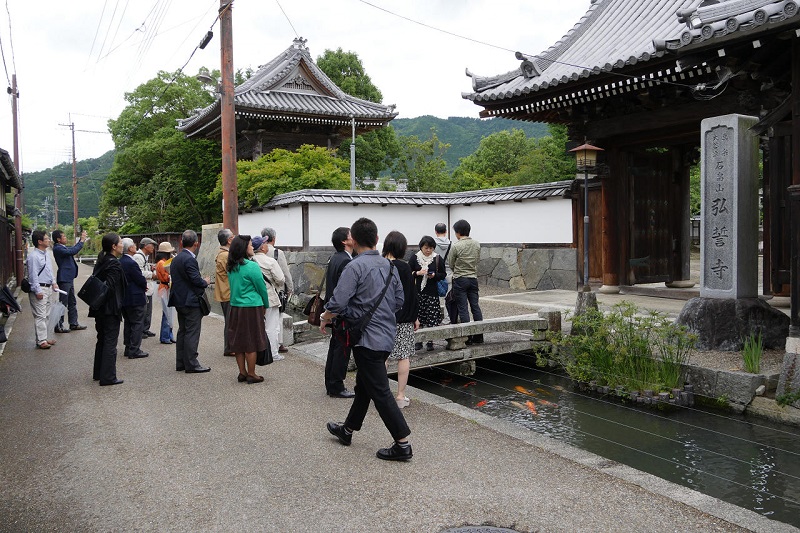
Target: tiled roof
615, 34
292, 88
8, 169
715, 20
501, 194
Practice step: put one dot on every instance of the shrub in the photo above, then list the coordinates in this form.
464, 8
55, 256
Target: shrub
751, 353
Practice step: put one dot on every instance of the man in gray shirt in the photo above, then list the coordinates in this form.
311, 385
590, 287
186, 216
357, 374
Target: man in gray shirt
43, 283
360, 286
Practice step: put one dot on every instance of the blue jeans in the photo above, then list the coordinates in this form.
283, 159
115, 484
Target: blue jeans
166, 331
465, 291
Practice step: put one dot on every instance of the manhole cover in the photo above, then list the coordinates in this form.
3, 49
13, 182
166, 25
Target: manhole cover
480, 529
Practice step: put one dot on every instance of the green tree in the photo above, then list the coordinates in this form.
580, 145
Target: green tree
160, 180
346, 71
421, 165
281, 171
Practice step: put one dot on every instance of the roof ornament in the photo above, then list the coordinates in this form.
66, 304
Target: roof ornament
300, 43
527, 67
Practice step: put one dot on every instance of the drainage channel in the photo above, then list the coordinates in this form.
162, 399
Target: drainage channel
747, 461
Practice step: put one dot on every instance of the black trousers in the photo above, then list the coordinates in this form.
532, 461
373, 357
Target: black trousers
69, 302
336, 366
133, 329
148, 314
188, 339
226, 307
105, 351
465, 291
372, 383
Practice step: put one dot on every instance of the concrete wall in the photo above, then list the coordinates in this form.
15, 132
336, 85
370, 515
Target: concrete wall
287, 221
530, 221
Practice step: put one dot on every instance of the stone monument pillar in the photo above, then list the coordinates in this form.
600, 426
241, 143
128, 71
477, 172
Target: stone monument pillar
729, 222
728, 309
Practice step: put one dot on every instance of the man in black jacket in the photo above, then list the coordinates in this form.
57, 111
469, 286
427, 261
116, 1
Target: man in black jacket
134, 303
187, 286
67, 271
338, 355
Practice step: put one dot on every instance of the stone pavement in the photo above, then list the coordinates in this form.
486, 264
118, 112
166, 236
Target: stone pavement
169, 451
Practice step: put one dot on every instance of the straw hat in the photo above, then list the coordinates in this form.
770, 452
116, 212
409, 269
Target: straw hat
165, 247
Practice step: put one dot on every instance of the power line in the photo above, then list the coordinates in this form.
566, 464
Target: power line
11, 39
108, 29
97, 31
525, 54
287, 18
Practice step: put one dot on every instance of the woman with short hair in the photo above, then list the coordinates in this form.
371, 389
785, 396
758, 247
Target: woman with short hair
428, 269
246, 333
394, 249
108, 316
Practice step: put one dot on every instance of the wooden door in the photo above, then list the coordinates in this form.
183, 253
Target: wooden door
653, 213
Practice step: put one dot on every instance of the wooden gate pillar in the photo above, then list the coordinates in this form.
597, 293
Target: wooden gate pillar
610, 233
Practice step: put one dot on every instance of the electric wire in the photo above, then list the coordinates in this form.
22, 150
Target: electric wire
108, 29
689, 408
116, 31
134, 32
527, 55
287, 18
11, 40
632, 409
5, 67
591, 435
97, 30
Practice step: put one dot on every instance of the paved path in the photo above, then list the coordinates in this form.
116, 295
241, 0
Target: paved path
170, 451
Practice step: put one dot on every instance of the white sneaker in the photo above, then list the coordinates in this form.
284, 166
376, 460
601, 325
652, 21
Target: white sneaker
402, 404
278, 357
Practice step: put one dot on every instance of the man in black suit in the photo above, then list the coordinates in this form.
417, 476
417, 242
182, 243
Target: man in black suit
338, 355
67, 271
134, 303
187, 286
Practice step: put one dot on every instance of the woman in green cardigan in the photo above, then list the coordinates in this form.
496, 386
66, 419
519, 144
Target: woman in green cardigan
246, 333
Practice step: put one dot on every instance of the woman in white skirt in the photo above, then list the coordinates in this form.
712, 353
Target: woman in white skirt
273, 277
394, 249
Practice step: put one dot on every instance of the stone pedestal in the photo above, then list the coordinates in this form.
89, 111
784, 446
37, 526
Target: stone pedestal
789, 380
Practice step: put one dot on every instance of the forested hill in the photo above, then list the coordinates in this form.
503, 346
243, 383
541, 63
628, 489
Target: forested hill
463, 134
39, 189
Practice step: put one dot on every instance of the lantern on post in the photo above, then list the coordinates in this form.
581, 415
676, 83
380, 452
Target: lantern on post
586, 159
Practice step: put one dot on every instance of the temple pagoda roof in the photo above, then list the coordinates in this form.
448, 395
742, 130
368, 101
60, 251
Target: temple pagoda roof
291, 88
614, 35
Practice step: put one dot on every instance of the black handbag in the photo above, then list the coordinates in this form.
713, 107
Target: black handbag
205, 304
25, 285
264, 357
284, 298
94, 292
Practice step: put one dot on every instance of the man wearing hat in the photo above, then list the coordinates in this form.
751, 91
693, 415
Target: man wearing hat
163, 261
142, 257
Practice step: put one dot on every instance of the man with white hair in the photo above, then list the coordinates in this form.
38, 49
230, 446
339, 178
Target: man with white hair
142, 257
273, 276
269, 235
134, 303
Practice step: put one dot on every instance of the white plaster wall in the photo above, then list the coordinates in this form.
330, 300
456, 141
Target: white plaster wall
411, 221
287, 221
529, 221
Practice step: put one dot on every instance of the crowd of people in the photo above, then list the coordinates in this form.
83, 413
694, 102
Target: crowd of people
373, 303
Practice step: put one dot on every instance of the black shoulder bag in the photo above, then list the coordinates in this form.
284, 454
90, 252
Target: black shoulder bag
282, 296
349, 333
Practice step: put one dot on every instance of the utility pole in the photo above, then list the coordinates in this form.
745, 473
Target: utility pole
71, 126
20, 272
353, 155
230, 193
55, 203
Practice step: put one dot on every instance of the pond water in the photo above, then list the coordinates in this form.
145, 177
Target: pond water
746, 461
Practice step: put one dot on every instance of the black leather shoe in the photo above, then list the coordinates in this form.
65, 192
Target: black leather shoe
198, 370
337, 430
61, 330
395, 453
180, 369
343, 394
138, 355
76, 327
148, 334
115, 382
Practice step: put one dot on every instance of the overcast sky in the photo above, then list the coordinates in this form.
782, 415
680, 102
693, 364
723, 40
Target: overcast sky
77, 59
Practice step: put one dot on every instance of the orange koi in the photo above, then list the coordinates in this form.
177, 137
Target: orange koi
545, 402
531, 407
523, 390
480, 403
469, 384
545, 392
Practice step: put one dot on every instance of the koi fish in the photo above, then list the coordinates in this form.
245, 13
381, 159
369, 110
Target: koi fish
545, 402
469, 384
445, 381
558, 387
523, 390
480, 403
531, 407
543, 391
518, 405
